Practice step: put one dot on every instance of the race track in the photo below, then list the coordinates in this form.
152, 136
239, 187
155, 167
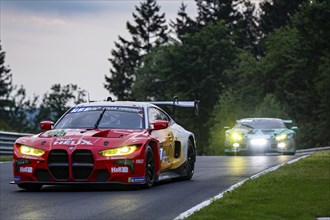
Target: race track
213, 174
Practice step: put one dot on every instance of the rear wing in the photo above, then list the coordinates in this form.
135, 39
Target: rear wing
287, 121
177, 103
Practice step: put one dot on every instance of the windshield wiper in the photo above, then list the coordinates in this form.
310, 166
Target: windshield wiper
99, 119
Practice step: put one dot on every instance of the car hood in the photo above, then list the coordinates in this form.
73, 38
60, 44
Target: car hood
85, 138
267, 133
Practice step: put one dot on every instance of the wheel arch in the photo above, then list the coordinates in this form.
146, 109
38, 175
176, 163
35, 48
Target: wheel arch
193, 141
155, 150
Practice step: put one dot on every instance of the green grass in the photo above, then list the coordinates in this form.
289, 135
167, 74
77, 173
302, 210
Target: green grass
297, 191
6, 158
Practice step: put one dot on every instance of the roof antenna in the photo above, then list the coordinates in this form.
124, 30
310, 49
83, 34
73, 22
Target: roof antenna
109, 99
88, 97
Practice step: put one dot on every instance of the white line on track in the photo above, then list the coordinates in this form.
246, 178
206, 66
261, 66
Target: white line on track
219, 196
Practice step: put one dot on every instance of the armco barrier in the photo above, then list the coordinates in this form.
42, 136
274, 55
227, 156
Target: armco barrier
7, 140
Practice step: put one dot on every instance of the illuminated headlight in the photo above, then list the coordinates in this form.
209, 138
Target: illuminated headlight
30, 151
281, 145
236, 145
125, 150
281, 137
236, 136
258, 141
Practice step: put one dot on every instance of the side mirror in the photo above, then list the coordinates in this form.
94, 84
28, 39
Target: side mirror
159, 125
46, 125
226, 128
294, 128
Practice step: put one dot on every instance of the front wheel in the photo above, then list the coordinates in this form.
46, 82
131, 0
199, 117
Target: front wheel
191, 158
150, 168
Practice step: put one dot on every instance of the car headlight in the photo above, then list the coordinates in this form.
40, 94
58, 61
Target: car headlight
124, 150
236, 137
30, 151
281, 137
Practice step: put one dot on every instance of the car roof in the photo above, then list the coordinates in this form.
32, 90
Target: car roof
117, 103
257, 119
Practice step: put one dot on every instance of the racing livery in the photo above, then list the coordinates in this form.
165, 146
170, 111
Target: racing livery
260, 135
107, 142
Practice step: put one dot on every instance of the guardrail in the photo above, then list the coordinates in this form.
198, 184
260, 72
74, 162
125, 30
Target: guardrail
313, 149
7, 140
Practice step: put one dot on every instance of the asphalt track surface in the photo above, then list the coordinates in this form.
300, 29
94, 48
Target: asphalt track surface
213, 175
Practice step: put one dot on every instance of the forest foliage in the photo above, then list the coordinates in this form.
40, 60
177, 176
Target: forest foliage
240, 60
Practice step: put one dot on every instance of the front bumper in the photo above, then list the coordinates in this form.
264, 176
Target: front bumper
60, 167
263, 146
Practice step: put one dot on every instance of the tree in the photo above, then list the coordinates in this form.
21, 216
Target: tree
125, 59
238, 15
277, 13
6, 88
5, 77
294, 70
23, 112
270, 107
246, 30
195, 69
183, 24
210, 11
149, 30
150, 27
230, 107
59, 100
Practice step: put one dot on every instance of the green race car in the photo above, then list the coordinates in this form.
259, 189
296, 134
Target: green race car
260, 135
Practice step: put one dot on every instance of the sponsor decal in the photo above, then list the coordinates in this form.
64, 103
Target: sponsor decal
108, 108
30, 157
139, 161
162, 154
117, 157
25, 169
17, 179
119, 169
136, 179
56, 133
71, 141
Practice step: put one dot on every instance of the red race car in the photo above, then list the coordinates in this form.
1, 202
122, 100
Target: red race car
107, 142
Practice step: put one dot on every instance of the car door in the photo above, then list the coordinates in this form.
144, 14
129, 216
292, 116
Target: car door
164, 136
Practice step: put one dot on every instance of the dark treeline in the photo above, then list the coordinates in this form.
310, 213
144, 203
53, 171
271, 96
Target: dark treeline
239, 60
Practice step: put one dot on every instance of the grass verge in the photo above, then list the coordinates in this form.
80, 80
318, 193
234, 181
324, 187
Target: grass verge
297, 191
6, 158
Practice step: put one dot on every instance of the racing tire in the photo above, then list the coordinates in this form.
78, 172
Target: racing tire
191, 159
30, 187
150, 168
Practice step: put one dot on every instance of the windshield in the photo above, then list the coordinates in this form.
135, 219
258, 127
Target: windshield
260, 124
104, 117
